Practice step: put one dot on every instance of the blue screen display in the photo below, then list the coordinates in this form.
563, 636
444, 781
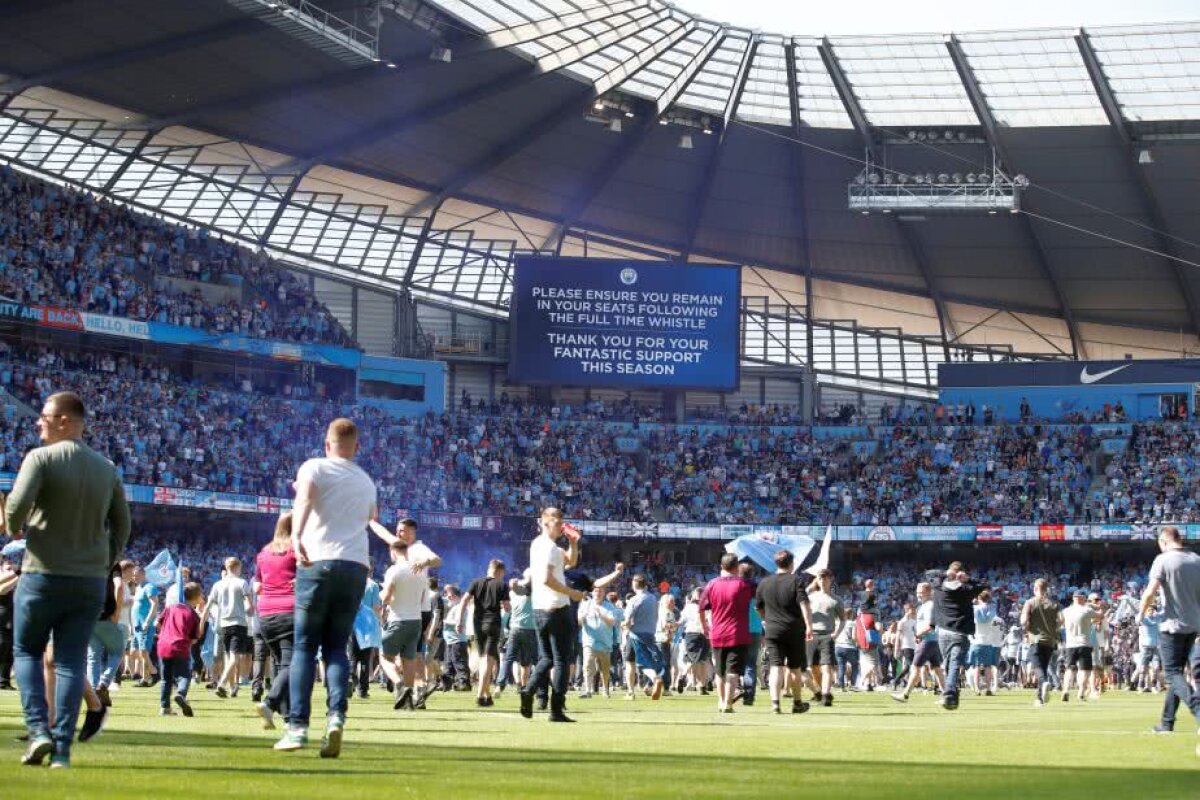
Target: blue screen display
626, 324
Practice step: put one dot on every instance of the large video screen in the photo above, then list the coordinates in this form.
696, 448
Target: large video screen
627, 324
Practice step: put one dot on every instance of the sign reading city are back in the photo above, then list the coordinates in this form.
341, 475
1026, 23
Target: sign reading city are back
629, 324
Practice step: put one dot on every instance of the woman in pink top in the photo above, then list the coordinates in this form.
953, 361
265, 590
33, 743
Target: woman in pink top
276, 589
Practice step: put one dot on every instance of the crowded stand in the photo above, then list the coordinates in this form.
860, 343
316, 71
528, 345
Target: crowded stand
164, 429
69, 249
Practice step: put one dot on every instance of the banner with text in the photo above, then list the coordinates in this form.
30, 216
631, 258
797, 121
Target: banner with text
629, 324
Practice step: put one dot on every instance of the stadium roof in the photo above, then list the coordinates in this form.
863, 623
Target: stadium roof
1104, 122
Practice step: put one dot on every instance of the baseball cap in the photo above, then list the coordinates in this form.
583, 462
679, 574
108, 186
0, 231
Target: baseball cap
1080, 593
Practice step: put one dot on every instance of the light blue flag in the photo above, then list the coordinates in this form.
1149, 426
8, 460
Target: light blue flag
161, 571
14, 550
762, 547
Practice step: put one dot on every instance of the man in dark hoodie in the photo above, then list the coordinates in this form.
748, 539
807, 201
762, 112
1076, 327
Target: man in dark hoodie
954, 614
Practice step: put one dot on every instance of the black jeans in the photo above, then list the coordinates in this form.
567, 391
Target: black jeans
258, 675
1175, 649
554, 630
278, 632
362, 664
456, 666
1043, 656
6, 647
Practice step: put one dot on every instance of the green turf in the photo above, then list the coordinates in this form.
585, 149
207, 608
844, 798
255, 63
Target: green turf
865, 746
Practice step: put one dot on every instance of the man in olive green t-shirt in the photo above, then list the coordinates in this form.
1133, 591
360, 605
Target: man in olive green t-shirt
69, 504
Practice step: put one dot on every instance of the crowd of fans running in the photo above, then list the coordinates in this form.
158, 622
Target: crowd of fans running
69, 249
509, 457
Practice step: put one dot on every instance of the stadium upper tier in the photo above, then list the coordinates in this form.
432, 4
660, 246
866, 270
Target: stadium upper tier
514, 458
70, 250
470, 130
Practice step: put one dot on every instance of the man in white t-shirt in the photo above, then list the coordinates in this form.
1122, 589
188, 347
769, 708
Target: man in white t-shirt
1078, 619
551, 599
906, 643
334, 507
404, 590
231, 597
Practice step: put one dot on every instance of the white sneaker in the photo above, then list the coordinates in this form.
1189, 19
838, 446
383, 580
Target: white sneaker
293, 739
268, 716
331, 745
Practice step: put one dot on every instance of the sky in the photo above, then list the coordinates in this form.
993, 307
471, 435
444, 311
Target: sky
934, 16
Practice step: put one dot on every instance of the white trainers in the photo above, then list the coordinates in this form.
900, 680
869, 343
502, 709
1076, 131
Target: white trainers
293, 739
331, 745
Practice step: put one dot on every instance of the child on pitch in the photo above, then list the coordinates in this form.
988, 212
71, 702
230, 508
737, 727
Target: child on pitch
179, 629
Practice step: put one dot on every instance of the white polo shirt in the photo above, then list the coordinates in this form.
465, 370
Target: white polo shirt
336, 529
544, 553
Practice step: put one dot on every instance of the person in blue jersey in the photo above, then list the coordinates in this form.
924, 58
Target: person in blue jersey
597, 621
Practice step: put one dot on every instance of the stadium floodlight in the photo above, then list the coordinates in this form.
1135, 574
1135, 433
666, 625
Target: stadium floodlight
614, 125
943, 178
873, 178
956, 178
391, 65
443, 54
685, 142
1145, 156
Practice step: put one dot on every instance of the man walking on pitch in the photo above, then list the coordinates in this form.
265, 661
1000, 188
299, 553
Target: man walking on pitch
827, 622
552, 616
489, 597
929, 653
641, 618
728, 598
1176, 572
69, 503
954, 613
1078, 620
787, 623
1042, 620
335, 501
231, 597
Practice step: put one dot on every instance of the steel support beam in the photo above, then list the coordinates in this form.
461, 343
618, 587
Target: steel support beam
426, 229
129, 55
572, 107
912, 243
1145, 190
265, 237
132, 156
631, 141
696, 212
991, 130
799, 200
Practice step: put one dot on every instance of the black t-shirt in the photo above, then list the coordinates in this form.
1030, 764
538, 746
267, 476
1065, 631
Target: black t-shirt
780, 597
488, 594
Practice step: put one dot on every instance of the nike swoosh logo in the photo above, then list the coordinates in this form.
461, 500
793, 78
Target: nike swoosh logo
1086, 378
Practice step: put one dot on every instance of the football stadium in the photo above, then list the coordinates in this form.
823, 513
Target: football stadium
598, 398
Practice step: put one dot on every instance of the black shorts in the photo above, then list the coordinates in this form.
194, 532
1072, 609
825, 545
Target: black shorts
731, 659
235, 640
524, 646
1079, 658
627, 653
820, 651
907, 654
426, 618
928, 653
789, 651
695, 648
487, 639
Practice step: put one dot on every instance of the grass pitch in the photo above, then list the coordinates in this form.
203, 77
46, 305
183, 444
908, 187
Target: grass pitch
866, 746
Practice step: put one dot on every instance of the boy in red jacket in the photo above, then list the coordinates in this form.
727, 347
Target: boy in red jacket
178, 629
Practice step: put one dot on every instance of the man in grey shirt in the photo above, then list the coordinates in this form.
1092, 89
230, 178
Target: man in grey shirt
68, 502
827, 623
1176, 572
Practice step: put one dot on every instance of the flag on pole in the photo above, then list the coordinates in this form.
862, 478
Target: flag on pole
822, 561
762, 547
161, 571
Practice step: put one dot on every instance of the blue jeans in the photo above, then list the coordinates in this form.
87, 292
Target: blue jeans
327, 598
554, 630
104, 652
176, 674
750, 671
954, 648
66, 607
1175, 650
